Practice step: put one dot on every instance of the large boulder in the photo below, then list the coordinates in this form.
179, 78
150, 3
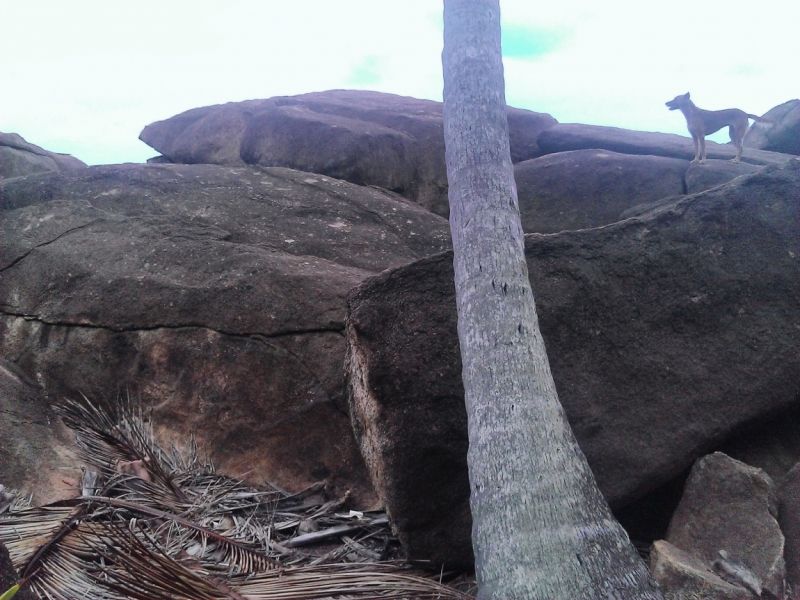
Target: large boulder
783, 136
588, 188
368, 138
729, 511
563, 137
18, 157
666, 333
215, 295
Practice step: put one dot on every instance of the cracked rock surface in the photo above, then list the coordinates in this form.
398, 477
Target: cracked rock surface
214, 294
667, 334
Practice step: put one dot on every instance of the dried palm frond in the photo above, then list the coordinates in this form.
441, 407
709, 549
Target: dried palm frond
165, 526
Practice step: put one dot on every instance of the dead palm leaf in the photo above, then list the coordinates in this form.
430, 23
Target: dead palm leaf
172, 529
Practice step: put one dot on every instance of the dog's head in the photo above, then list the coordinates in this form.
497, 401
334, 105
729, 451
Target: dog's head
679, 102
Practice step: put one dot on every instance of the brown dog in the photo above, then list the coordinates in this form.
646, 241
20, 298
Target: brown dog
704, 122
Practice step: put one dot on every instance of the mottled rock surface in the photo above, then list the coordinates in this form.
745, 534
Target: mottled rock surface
730, 506
18, 157
368, 138
666, 334
588, 188
214, 294
703, 176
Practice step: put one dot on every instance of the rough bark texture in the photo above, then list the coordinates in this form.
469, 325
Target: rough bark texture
541, 527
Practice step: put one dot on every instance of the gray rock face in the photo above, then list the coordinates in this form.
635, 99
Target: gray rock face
215, 294
367, 138
782, 137
700, 177
588, 188
563, 137
730, 506
18, 157
665, 334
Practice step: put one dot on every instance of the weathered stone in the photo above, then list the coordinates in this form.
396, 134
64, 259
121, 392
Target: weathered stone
367, 138
732, 507
572, 136
217, 295
682, 576
18, 157
358, 151
665, 333
589, 188
36, 450
784, 136
703, 176
789, 520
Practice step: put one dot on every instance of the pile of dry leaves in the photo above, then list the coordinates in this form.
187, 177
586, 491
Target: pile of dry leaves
154, 525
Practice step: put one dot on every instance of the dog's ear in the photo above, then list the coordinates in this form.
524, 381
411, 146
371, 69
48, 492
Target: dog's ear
686, 95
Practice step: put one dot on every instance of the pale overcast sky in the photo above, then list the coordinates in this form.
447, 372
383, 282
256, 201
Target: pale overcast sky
85, 76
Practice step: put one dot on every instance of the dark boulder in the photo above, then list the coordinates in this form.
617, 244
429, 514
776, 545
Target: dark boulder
783, 136
368, 138
216, 295
703, 176
18, 157
588, 188
666, 334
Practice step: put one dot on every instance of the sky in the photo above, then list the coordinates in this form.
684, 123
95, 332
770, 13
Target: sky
84, 77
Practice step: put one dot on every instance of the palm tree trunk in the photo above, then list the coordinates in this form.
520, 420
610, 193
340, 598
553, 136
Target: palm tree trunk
541, 527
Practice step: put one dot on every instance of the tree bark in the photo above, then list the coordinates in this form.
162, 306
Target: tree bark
541, 527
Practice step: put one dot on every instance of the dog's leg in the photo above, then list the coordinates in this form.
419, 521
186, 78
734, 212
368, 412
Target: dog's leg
702, 148
696, 147
737, 137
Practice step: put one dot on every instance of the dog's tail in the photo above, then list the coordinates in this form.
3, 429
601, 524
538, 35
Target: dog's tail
758, 119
